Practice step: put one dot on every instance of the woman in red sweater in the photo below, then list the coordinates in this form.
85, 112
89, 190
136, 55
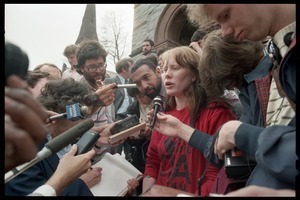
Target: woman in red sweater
171, 161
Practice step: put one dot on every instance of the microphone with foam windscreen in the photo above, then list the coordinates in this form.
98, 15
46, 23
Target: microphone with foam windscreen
74, 112
158, 103
53, 146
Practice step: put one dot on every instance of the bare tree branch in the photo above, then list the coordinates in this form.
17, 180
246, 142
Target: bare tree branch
114, 35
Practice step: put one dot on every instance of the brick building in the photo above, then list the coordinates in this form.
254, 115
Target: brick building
166, 24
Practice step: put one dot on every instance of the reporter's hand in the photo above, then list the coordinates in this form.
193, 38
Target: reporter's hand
26, 109
20, 146
24, 123
92, 176
173, 127
131, 185
100, 129
104, 131
150, 115
145, 133
225, 141
106, 94
168, 125
70, 168
49, 114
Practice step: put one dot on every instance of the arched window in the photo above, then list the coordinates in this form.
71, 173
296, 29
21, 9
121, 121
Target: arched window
173, 28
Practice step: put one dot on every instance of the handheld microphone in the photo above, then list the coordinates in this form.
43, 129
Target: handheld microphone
53, 146
158, 103
133, 85
74, 112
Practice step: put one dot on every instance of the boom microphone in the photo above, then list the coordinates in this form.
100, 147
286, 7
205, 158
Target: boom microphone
74, 112
53, 146
62, 140
158, 106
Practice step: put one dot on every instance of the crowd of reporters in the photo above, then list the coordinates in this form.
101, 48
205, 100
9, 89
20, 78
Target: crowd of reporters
200, 121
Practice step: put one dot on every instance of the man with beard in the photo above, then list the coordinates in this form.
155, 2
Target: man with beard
148, 50
91, 63
147, 77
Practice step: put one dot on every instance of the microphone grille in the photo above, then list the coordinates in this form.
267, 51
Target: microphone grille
84, 110
158, 99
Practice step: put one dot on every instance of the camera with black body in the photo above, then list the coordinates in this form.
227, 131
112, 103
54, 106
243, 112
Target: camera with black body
238, 164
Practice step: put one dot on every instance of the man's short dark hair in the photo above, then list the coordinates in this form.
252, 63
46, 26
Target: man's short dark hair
150, 41
123, 64
143, 61
152, 58
89, 49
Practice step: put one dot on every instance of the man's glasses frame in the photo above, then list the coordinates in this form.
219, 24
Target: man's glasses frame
94, 67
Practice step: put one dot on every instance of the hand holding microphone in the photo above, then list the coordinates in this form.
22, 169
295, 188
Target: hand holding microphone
103, 96
53, 146
158, 103
24, 123
74, 112
69, 168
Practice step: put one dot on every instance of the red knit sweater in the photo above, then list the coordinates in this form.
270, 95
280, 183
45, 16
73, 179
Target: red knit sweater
173, 163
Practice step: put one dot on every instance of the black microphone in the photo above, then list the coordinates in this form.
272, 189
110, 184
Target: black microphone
53, 146
74, 112
158, 103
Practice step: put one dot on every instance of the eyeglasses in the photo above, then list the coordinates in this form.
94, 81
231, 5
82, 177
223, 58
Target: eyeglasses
94, 67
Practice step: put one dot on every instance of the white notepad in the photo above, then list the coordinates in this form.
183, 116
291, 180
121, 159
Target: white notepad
116, 171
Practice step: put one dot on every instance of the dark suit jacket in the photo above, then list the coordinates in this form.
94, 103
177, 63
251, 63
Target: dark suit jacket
38, 174
141, 145
119, 93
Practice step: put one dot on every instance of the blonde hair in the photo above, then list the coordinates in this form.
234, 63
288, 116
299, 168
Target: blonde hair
196, 95
197, 14
187, 58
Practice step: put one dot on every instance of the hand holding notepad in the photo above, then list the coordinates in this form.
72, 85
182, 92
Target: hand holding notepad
116, 170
